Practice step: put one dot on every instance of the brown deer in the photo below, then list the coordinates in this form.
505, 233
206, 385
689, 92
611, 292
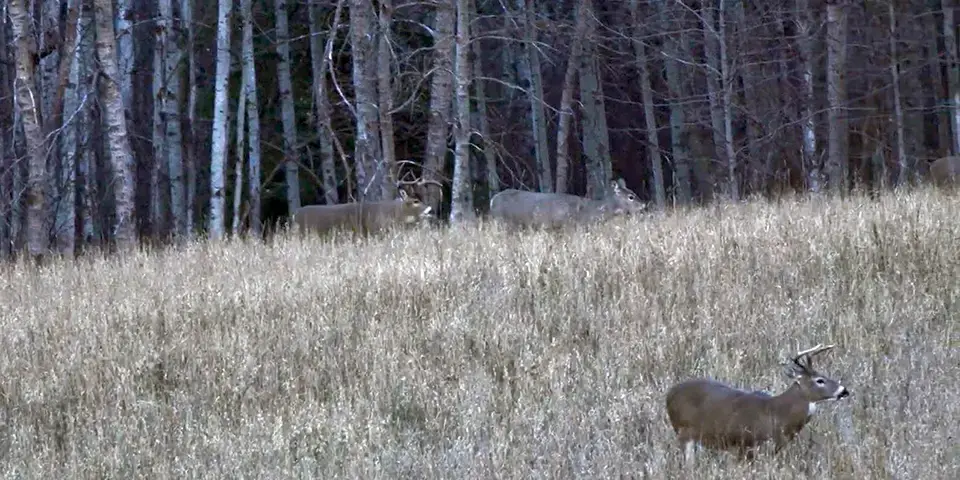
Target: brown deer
361, 217
555, 210
945, 171
714, 415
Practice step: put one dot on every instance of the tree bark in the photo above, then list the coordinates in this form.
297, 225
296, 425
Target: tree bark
566, 98
288, 115
218, 149
441, 91
367, 161
117, 140
461, 198
649, 114
838, 165
385, 90
253, 119
532, 78
320, 54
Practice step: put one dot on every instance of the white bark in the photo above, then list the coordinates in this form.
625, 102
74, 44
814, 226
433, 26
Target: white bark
123, 26
90, 228
837, 95
441, 91
27, 101
727, 89
117, 140
805, 21
65, 226
253, 120
172, 102
320, 52
649, 114
190, 143
238, 152
385, 89
566, 99
897, 105
532, 76
287, 113
369, 168
163, 23
218, 150
594, 135
461, 202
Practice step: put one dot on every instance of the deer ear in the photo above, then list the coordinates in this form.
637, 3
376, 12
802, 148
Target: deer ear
792, 370
615, 186
402, 193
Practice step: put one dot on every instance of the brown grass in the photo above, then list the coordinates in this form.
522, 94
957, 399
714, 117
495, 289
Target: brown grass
488, 354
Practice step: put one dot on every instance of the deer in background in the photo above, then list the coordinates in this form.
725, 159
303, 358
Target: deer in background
714, 415
945, 171
362, 217
555, 210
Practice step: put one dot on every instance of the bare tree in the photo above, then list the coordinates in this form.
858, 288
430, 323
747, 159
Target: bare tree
532, 77
566, 98
649, 115
190, 136
806, 19
172, 101
320, 54
218, 150
837, 94
249, 94
27, 96
117, 140
897, 105
672, 46
385, 90
367, 159
461, 202
595, 136
287, 112
441, 91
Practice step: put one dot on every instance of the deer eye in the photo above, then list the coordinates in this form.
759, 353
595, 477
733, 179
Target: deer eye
820, 381
631, 198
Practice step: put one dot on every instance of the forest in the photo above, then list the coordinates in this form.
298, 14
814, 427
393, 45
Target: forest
163, 120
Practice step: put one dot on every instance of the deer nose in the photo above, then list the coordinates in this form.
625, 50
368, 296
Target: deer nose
843, 393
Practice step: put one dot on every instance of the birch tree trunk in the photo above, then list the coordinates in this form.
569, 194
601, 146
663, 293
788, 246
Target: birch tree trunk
27, 96
480, 92
806, 19
320, 54
532, 77
733, 180
163, 23
123, 25
117, 140
218, 150
461, 201
190, 142
712, 37
238, 152
172, 102
253, 119
837, 94
681, 158
388, 188
595, 137
649, 115
566, 97
7, 163
953, 70
287, 112
897, 105
72, 103
367, 142
441, 91
90, 227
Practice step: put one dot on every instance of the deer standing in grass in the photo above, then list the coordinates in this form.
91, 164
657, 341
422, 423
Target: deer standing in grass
361, 217
555, 210
717, 416
945, 171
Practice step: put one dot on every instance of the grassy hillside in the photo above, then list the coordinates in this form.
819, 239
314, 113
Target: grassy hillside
487, 354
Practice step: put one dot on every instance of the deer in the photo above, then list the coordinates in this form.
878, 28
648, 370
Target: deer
707, 413
362, 217
945, 171
555, 210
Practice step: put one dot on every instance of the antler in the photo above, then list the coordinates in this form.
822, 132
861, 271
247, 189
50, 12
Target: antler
809, 353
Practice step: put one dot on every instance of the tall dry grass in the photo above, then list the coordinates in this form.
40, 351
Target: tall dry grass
481, 353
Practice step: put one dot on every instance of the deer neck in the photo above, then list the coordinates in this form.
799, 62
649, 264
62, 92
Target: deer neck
794, 406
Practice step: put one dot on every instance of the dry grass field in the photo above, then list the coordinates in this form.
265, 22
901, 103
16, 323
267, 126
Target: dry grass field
483, 353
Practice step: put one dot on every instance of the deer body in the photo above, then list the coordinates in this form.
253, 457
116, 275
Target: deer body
715, 415
945, 171
360, 217
555, 210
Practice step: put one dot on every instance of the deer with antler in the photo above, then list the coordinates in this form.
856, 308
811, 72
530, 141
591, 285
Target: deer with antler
715, 415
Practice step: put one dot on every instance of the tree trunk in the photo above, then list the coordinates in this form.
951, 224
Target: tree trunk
172, 102
935, 77
27, 96
238, 152
218, 150
163, 24
319, 55
287, 112
367, 160
806, 19
901, 158
190, 142
649, 114
479, 87
123, 25
532, 77
65, 227
441, 91
117, 140
87, 191
461, 198
566, 98
681, 159
385, 90
253, 119
712, 40
733, 180
595, 137
838, 164
953, 71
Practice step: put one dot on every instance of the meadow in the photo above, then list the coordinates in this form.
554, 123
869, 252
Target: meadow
477, 352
